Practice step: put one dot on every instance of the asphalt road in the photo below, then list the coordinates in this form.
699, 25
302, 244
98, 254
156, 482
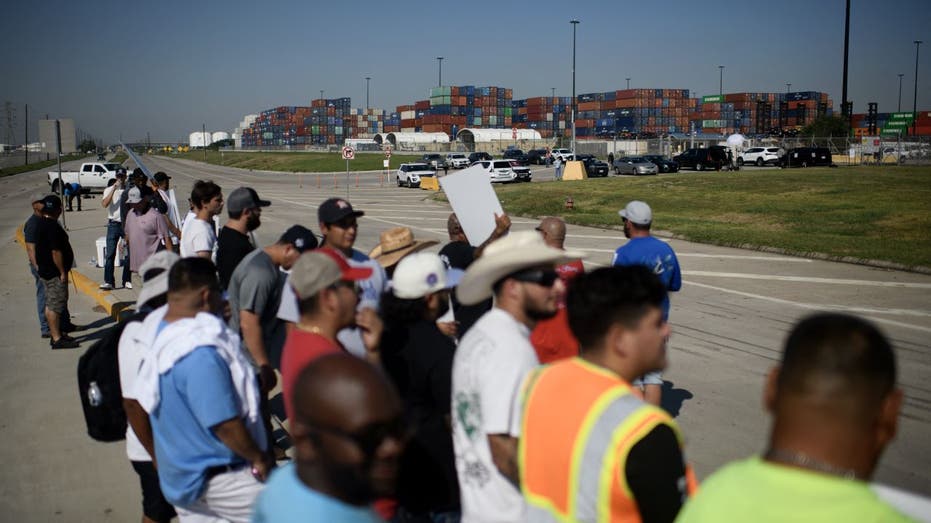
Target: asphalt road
729, 321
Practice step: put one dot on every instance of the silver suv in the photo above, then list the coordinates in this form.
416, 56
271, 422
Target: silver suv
760, 156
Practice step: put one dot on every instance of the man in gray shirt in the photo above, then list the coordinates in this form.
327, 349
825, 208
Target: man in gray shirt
254, 294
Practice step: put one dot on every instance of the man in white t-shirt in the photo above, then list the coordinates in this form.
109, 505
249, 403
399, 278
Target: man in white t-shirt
199, 235
339, 225
492, 359
140, 448
112, 196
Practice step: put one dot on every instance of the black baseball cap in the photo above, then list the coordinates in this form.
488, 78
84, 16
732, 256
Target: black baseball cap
300, 237
51, 203
243, 198
334, 210
161, 177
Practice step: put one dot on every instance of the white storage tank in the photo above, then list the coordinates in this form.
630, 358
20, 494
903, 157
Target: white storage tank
219, 135
199, 139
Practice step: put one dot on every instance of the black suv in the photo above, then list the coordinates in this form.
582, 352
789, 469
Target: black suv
663, 164
714, 157
807, 157
517, 155
437, 161
536, 156
593, 166
478, 157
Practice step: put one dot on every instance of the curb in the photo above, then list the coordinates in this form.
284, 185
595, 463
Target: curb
87, 286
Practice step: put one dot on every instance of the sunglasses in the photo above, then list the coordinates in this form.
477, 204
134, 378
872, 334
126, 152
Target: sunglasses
370, 437
354, 286
346, 223
543, 277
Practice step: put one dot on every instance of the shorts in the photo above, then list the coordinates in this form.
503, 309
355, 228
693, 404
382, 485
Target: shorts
154, 504
228, 497
650, 378
56, 294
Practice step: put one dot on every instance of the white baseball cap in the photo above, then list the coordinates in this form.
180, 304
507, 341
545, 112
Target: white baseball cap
134, 195
637, 212
422, 273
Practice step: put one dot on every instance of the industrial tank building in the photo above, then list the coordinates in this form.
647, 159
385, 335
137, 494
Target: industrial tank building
219, 135
199, 139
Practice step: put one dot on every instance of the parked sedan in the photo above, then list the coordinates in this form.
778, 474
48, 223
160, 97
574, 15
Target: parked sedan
593, 166
457, 160
409, 174
665, 165
634, 165
503, 171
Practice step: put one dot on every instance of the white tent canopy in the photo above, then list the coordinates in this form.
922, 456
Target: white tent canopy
471, 135
396, 138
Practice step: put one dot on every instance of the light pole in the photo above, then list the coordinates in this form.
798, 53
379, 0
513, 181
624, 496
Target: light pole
439, 60
574, 23
915, 96
367, 78
900, 92
628, 82
720, 79
788, 87
321, 94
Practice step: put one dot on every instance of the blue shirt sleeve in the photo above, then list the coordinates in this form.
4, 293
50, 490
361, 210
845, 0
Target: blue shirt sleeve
675, 283
208, 386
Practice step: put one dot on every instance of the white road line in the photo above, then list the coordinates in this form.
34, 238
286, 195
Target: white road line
441, 232
815, 306
805, 279
726, 256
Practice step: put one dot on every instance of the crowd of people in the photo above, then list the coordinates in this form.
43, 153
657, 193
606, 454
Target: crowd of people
495, 381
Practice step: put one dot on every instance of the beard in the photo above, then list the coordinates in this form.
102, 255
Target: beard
538, 313
253, 221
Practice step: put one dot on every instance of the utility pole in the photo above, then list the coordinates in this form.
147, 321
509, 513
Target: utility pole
203, 137
844, 111
26, 127
367, 78
915, 96
900, 93
439, 59
46, 149
628, 82
721, 80
575, 24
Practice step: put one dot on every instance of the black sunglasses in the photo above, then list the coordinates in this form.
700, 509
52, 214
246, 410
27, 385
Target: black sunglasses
544, 277
371, 436
346, 223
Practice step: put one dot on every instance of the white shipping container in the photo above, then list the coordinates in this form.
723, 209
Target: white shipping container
408, 115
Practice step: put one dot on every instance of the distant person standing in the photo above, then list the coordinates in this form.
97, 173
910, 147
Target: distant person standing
558, 165
236, 239
54, 259
167, 206
644, 249
29, 237
112, 196
145, 230
199, 235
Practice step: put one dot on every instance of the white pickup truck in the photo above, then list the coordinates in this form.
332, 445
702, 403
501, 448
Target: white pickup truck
93, 176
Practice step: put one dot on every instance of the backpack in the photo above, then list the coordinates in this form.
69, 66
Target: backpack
99, 385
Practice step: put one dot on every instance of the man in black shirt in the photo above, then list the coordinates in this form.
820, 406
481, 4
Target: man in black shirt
235, 239
54, 259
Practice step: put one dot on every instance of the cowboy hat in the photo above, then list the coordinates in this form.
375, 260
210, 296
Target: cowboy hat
395, 244
516, 251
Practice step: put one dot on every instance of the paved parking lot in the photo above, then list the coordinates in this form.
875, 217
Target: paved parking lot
728, 322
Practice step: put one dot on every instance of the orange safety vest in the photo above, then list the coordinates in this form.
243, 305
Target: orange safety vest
579, 423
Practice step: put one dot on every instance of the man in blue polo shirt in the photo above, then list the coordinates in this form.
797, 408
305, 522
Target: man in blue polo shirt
203, 402
644, 249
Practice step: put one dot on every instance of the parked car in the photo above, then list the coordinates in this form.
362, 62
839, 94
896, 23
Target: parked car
93, 176
714, 157
634, 165
434, 160
566, 155
593, 166
409, 174
663, 164
478, 157
760, 156
503, 171
537, 156
517, 155
807, 157
457, 160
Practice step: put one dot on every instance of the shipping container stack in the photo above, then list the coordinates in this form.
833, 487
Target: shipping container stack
758, 113
452, 108
366, 123
325, 122
891, 125
545, 114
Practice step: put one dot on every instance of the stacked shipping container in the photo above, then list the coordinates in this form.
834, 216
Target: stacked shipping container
752, 113
891, 125
324, 122
451, 108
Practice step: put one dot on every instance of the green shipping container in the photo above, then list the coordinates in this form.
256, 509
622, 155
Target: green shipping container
900, 116
440, 91
712, 98
507, 111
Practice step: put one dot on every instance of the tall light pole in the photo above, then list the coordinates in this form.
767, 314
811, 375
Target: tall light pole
915, 96
439, 60
553, 100
788, 87
367, 78
628, 82
899, 110
574, 23
321, 94
721, 79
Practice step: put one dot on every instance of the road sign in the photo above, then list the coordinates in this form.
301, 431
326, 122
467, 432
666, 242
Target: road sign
388, 153
348, 153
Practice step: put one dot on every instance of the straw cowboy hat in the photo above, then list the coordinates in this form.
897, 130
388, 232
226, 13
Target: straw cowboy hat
516, 251
395, 244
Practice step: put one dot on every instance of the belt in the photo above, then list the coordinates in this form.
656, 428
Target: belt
223, 469
115, 221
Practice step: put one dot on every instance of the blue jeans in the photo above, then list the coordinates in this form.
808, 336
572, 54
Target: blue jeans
114, 233
40, 300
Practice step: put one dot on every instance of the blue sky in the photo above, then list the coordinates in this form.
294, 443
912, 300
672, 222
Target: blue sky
167, 67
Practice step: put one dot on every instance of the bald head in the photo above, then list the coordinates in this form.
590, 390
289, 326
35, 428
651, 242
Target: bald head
340, 390
454, 228
553, 230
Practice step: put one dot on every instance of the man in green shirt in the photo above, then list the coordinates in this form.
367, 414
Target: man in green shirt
835, 408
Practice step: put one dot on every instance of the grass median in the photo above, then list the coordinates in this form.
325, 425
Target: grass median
16, 169
877, 213
296, 161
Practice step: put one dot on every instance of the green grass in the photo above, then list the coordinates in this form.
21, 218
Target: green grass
296, 161
878, 213
119, 158
7, 171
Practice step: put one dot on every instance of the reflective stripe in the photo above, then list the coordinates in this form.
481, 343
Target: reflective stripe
598, 450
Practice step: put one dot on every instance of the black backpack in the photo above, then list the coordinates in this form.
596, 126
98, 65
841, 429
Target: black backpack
99, 385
